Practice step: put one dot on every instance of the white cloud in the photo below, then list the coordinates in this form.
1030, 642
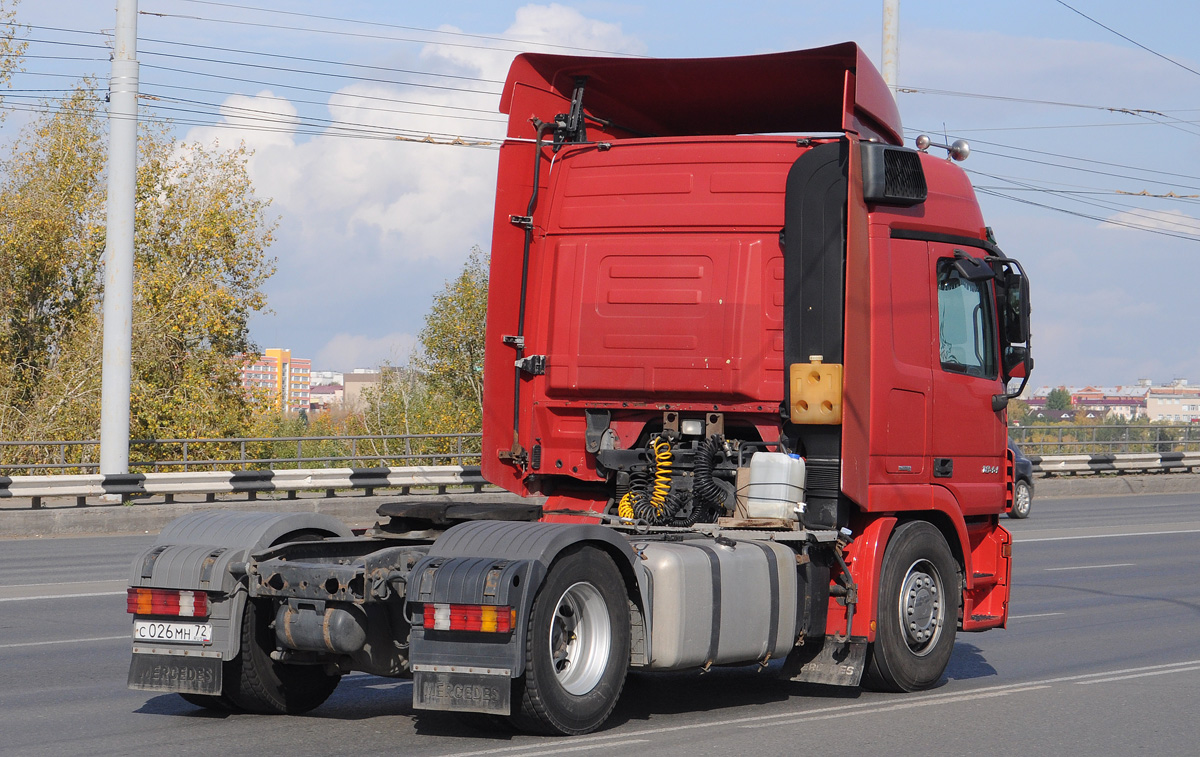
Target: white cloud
1172, 221
346, 352
371, 228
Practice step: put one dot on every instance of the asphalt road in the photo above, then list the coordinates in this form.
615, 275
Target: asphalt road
1102, 656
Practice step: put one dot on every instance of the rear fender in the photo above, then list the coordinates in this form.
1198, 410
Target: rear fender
500, 563
195, 552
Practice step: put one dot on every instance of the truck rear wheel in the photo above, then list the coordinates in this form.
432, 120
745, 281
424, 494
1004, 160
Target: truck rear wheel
577, 647
919, 595
253, 682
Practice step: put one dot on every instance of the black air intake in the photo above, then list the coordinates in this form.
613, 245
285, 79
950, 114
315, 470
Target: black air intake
892, 175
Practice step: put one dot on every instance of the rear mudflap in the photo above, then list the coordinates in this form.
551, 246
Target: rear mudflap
462, 692
190, 674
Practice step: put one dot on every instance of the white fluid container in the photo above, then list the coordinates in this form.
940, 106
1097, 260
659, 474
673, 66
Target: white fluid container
776, 485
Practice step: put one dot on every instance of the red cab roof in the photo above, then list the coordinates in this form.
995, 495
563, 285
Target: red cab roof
826, 89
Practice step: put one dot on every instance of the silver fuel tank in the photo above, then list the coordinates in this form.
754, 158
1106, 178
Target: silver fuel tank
718, 601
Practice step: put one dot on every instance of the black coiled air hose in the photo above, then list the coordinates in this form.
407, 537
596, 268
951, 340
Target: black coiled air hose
708, 496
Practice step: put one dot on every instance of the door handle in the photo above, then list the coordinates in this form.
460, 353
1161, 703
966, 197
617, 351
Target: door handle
943, 467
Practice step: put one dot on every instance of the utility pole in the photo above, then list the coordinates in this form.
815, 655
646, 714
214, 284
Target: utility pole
891, 43
118, 252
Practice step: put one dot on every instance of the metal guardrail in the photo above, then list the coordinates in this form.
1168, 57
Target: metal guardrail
251, 483
440, 477
1121, 463
1056, 439
246, 453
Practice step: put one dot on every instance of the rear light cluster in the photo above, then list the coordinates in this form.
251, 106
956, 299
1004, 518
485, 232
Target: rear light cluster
483, 618
188, 604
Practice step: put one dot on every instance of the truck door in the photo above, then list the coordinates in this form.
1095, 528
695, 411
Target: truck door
968, 439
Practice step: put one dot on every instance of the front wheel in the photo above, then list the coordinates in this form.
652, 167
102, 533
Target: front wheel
1022, 501
919, 595
577, 647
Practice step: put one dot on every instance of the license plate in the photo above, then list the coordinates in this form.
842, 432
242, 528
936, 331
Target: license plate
189, 675
461, 692
185, 633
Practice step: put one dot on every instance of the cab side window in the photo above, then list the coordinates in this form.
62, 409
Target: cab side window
966, 324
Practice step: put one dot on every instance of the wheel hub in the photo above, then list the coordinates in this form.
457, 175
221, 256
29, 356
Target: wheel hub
580, 638
921, 602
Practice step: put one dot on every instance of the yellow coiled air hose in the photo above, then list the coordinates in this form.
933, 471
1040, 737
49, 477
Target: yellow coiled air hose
662, 475
657, 498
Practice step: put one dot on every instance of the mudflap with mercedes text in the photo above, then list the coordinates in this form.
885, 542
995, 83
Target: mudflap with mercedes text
184, 675
462, 692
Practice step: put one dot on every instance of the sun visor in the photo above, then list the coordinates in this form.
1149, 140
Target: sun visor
826, 89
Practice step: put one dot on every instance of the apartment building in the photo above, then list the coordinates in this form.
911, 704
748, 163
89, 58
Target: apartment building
288, 378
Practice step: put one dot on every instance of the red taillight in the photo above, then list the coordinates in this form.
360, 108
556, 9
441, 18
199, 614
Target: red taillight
188, 604
482, 618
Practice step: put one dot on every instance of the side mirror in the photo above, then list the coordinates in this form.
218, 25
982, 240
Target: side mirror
1014, 307
1017, 362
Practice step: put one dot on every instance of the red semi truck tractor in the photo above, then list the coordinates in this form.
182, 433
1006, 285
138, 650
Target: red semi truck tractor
751, 358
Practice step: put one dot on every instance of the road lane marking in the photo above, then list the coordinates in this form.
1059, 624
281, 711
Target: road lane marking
1109, 536
102, 588
596, 742
63, 641
916, 700
1035, 615
889, 707
1093, 567
63, 596
64, 583
1138, 675
562, 750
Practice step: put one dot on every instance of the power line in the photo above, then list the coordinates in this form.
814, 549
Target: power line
273, 11
357, 35
279, 68
1119, 207
338, 105
1089, 216
322, 73
417, 137
1127, 39
1067, 157
299, 88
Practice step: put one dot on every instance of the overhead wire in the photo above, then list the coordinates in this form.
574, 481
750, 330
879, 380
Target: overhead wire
1106, 205
1128, 39
358, 35
273, 11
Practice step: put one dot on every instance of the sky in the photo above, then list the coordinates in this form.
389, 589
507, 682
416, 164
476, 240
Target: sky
1069, 123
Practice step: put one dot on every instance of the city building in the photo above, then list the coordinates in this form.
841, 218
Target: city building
1174, 403
285, 377
320, 378
323, 397
354, 383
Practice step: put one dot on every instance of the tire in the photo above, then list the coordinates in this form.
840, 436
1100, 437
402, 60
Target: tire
919, 596
1022, 501
577, 647
253, 682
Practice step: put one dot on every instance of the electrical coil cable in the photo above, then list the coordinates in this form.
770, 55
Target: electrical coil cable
662, 477
639, 487
647, 503
707, 493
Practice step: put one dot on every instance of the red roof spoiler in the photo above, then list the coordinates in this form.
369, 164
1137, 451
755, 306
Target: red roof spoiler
826, 89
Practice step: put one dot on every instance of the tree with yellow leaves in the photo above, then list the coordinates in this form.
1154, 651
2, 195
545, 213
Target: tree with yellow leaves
11, 48
200, 262
441, 390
